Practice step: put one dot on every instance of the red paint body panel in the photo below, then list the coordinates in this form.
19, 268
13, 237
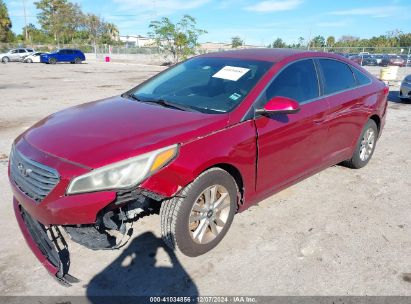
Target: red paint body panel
280, 104
57, 208
30, 242
290, 145
100, 133
270, 153
235, 146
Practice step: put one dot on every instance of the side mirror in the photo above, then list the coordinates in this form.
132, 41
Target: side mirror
280, 105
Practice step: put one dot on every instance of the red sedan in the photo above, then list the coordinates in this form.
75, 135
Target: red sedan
197, 143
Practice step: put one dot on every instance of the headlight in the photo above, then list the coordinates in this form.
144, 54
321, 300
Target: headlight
124, 174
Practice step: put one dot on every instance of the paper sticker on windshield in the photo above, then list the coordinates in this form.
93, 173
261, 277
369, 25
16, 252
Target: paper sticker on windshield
231, 73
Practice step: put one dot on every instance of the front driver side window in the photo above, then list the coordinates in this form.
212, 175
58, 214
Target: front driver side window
298, 81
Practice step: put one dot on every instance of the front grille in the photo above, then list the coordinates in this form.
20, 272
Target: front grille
32, 178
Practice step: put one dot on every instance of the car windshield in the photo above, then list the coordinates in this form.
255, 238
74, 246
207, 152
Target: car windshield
208, 85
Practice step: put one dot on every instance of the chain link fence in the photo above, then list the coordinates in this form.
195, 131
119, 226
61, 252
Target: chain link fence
367, 56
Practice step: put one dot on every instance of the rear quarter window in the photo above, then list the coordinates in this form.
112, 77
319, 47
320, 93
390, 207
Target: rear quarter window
337, 76
362, 79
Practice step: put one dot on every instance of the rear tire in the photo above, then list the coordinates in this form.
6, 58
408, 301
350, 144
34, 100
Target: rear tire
196, 220
365, 147
29, 61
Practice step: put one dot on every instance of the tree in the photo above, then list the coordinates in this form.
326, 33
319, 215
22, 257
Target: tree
6, 34
236, 42
405, 40
279, 43
318, 41
112, 31
35, 35
330, 41
72, 17
301, 42
59, 18
95, 27
180, 39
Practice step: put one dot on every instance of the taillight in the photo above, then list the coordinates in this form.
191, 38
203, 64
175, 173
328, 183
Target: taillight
386, 90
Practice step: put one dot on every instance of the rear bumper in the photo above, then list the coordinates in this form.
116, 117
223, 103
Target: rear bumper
54, 257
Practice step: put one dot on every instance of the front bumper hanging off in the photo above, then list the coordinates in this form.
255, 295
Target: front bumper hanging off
47, 244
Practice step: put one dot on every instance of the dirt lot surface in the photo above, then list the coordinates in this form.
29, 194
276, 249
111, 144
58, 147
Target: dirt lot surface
340, 232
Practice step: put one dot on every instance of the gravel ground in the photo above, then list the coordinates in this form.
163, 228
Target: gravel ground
340, 232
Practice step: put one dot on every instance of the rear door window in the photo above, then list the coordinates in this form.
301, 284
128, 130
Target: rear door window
337, 76
297, 81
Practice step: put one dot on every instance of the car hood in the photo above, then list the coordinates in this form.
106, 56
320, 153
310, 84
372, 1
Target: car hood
102, 132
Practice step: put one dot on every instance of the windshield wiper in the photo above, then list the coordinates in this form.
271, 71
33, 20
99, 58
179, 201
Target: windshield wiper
164, 103
130, 96
169, 104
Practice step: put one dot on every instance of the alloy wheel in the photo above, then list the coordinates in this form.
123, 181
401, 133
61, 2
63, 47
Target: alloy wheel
367, 144
209, 214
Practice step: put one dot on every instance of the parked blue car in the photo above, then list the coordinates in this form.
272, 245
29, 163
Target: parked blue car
63, 55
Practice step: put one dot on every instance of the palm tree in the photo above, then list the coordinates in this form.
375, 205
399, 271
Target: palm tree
5, 23
113, 31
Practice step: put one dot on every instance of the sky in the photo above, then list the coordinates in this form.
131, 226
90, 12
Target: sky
256, 22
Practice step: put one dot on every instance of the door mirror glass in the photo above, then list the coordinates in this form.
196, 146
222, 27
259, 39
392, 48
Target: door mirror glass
280, 105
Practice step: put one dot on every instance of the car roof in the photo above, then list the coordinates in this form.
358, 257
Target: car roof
270, 55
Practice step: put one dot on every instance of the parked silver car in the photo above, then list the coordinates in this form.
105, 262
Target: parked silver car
405, 89
16, 54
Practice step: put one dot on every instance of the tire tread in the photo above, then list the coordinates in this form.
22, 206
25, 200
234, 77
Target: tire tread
171, 209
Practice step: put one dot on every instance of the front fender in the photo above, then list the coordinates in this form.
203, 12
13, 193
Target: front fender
235, 145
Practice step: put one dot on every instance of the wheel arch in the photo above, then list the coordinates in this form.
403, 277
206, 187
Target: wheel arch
236, 174
377, 121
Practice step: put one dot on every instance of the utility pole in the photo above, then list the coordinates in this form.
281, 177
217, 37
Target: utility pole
25, 21
309, 41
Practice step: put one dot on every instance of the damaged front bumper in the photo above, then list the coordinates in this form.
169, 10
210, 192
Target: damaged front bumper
47, 244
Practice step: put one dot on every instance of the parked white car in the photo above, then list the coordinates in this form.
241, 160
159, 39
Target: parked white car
15, 54
33, 58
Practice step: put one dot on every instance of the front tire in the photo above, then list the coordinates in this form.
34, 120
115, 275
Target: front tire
52, 61
196, 220
365, 146
77, 61
5, 59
